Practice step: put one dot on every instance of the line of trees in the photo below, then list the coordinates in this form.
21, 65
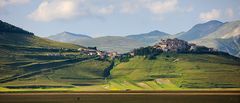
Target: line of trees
149, 52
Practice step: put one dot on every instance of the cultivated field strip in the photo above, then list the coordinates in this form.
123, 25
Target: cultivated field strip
46, 69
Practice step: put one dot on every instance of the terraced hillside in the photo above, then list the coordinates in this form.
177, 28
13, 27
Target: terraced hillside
35, 68
177, 71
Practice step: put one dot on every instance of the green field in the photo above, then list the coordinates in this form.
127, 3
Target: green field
176, 71
24, 68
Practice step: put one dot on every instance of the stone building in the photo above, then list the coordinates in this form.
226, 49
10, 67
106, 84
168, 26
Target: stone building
173, 45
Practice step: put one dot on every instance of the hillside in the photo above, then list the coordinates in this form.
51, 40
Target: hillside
225, 38
30, 62
229, 29
149, 38
8, 28
12, 35
112, 43
176, 71
201, 30
68, 37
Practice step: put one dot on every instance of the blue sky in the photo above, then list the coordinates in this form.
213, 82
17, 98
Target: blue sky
114, 17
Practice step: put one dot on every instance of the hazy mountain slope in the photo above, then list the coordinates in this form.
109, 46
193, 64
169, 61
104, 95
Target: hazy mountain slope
68, 37
201, 30
149, 38
112, 43
228, 30
177, 35
226, 38
230, 45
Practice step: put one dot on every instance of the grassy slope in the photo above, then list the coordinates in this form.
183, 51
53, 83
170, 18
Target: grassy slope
83, 74
31, 40
179, 71
22, 54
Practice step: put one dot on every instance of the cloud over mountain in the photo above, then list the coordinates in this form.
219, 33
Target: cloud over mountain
211, 15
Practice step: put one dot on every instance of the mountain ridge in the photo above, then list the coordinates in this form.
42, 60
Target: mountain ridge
111, 43
68, 37
225, 38
149, 38
201, 30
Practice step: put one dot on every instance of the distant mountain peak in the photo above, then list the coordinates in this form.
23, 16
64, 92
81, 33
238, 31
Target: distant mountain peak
68, 37
156, 32
66, 32
201, 30
214, 21
209, 23
72, 34
150, 37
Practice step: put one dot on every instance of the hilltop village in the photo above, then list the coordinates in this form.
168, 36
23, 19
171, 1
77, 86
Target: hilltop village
177, 45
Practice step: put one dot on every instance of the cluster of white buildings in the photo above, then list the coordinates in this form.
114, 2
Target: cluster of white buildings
101, 54
177, 45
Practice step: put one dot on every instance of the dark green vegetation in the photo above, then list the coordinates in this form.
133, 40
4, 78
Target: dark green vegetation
8, 28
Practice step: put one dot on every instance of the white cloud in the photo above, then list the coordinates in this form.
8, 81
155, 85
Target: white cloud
56, 9
4, 3
129, 7
50, 10
68, 9
229, 13
105, 10
211, 15
159, 7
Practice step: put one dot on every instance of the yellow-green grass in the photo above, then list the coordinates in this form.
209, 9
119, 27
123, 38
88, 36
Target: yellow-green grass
32, 40
13, 61
87, 75
167, 72
177, 71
